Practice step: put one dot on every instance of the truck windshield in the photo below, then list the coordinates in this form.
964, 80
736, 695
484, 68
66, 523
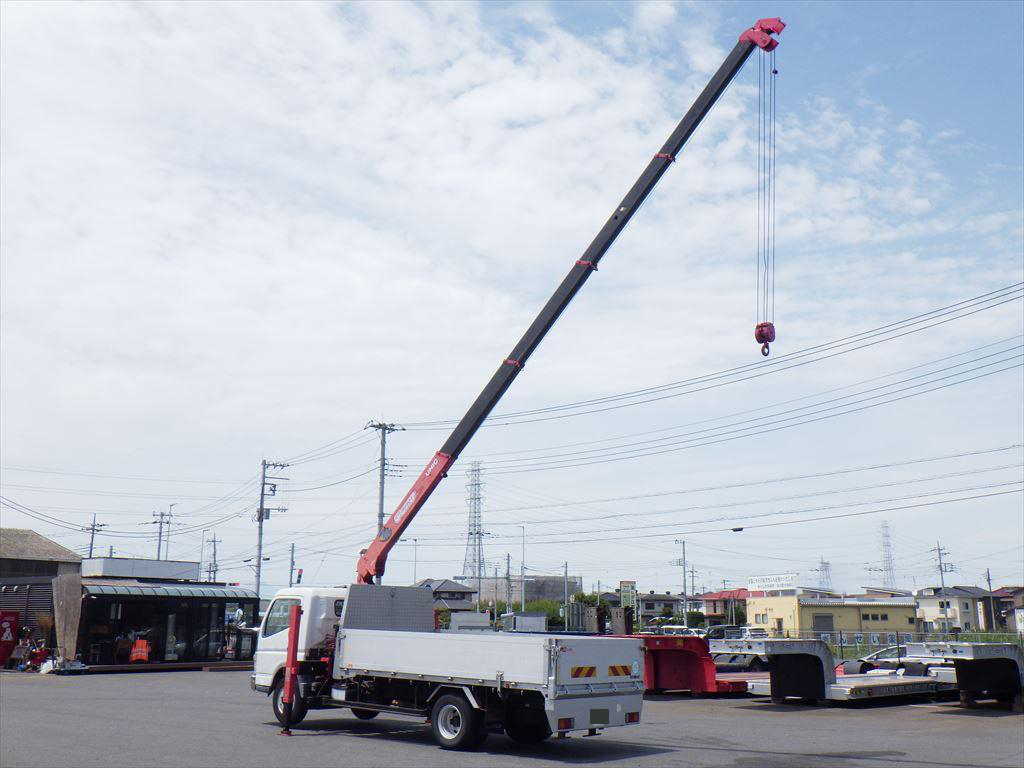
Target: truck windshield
278, 616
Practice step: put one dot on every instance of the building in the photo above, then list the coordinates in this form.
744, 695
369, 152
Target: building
652, 604
25, 553
111, 611
727, 605
1011, 600
949, 609
450, 595
537, 587
809, 615
29, 563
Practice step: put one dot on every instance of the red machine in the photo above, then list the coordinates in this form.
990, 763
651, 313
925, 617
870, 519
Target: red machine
373, 560
674, 663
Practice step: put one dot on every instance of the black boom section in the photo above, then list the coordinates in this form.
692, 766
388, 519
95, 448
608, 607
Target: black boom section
581, 270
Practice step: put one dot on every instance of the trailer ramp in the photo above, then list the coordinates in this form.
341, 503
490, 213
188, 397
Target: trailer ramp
805, 670
979, 671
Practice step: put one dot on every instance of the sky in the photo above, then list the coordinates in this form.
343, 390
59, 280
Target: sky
233, 232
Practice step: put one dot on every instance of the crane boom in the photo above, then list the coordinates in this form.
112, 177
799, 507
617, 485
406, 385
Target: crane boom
373, 560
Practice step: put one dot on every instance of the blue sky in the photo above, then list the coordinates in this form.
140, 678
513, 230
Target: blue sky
232, 232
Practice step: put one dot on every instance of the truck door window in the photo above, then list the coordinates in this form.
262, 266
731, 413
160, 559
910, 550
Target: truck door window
278, 616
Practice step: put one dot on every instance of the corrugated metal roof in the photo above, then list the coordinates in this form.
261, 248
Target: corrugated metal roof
25, 544
141, 589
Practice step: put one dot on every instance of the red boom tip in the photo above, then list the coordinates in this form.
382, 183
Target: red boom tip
761, 33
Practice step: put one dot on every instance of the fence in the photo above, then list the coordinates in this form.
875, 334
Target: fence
854, 645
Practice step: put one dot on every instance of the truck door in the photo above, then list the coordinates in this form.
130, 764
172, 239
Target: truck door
273, 641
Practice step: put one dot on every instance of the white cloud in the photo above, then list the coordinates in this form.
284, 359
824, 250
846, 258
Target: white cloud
230, 231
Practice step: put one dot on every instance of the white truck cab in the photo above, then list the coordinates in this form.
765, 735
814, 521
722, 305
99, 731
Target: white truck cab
374, 649
321, 613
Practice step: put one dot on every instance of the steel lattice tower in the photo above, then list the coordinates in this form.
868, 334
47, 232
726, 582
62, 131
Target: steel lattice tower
888, 569
824, 571
473, 563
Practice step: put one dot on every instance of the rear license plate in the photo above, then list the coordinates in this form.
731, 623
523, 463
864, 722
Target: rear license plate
599, 717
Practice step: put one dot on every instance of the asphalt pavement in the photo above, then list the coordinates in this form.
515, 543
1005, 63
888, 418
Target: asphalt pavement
181, 719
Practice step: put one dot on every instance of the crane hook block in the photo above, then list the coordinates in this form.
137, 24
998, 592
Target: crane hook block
764, 333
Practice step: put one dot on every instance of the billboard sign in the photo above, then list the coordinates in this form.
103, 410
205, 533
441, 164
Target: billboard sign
8, 634
627, 595
774, 581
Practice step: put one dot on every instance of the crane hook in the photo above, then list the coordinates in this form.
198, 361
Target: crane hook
764, 333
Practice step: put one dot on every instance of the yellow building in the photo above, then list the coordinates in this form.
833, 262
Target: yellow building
806, 616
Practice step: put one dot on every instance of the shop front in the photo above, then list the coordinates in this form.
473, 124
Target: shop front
173, 623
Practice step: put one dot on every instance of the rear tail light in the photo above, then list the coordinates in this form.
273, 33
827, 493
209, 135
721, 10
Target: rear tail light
565, 723
632, 717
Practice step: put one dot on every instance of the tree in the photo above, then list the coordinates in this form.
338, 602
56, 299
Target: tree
695, 619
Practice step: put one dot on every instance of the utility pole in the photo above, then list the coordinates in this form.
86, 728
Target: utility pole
522, 574
508, 582
693, 582
291, 566
944, 568
96, 526
385, 430
167, 544
990, 620
565, 590
262, 513
160, 532
111, 553
686, 602
213, 564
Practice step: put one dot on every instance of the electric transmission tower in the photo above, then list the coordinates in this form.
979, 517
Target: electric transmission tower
473, 563
888, 569
824, 571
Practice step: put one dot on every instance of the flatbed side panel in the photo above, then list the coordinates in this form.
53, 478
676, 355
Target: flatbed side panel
449, 655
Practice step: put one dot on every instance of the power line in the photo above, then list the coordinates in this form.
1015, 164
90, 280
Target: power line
991, 299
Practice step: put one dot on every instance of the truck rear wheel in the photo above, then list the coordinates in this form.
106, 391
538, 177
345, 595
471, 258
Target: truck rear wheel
365, 714
456, 725
299, 707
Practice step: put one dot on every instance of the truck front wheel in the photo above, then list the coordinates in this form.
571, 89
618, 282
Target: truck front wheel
299, 707
456, 725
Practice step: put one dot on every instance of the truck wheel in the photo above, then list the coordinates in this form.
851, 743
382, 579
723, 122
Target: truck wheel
299, 707
456, 725
365, 714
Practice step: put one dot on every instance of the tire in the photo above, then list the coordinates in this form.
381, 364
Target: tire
299, 708
455, 724
365, 714
756, 665
526, 731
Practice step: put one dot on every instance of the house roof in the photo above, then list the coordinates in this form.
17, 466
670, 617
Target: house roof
445, 585
954, 591
25, 544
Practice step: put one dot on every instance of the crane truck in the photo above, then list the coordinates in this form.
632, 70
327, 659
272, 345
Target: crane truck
373, 648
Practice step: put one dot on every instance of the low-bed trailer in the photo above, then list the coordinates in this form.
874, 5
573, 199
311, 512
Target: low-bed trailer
978, 670
322, 655
805, 670
682, 663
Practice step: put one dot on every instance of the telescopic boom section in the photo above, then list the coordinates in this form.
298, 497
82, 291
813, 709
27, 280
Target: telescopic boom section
373, 560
